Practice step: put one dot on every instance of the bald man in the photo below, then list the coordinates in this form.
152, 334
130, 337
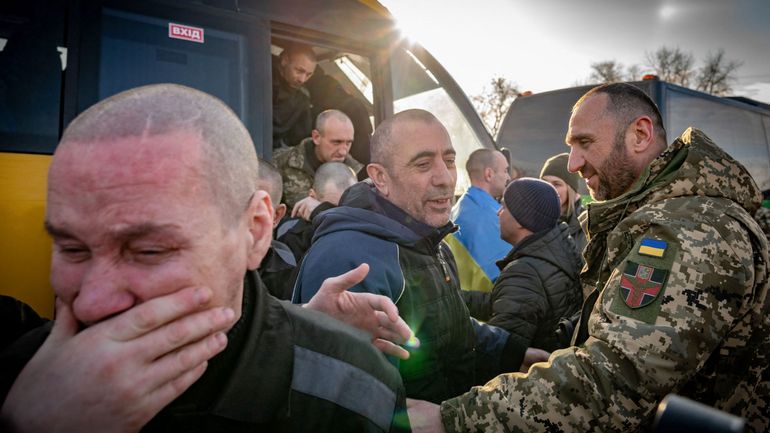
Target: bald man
477, 245
330, 141
396, 223
162, 325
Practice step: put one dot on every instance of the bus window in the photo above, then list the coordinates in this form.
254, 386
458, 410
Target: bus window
138, 49
342, 81
215, 54
31, 65
738, 131
415, 86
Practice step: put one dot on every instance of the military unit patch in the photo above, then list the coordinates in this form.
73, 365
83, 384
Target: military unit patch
640, 285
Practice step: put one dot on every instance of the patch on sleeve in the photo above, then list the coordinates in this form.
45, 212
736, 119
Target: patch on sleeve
640, 285
652, 247
641, 282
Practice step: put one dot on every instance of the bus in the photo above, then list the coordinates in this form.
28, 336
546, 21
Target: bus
59, 57
535, 126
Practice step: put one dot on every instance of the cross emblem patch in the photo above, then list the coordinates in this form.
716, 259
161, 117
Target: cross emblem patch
640, 285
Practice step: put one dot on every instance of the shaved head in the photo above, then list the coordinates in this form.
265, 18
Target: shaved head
333, 178
270, 180
230, 163
385, 140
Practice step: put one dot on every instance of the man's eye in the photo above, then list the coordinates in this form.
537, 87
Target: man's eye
450, 163
74, 253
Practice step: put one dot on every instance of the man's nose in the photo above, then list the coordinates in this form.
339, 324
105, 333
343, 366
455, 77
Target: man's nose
575, 161
103, 293
444, 176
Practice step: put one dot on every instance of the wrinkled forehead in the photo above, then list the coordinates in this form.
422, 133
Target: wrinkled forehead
411, 137
105, 163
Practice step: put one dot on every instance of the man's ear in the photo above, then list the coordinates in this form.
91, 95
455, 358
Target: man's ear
280, 212
311, 193
642, 130
316, 136
488, 174
260, 221
379, 177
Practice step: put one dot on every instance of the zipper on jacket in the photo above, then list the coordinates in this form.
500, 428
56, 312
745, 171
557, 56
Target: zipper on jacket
444, 267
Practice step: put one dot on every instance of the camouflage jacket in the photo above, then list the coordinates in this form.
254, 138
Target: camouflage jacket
298, 173
676, 283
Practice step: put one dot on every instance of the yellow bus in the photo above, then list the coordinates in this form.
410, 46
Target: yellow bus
59, 57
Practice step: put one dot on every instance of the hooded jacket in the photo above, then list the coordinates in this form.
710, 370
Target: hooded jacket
538, 285
677, 282
410, 265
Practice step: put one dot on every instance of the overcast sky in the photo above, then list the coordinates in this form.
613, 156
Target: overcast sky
550, 44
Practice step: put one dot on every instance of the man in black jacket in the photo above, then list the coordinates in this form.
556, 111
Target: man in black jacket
538, 282
161, 324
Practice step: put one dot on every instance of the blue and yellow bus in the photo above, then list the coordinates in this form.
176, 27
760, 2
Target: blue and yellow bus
59, 57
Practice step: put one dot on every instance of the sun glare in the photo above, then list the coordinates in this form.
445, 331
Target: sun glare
667, 11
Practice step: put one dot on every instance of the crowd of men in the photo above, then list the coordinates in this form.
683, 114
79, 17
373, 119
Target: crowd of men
173, 245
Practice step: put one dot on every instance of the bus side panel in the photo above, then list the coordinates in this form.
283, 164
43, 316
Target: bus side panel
25, 255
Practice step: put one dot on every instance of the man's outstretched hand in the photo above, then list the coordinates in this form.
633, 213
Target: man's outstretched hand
375, 314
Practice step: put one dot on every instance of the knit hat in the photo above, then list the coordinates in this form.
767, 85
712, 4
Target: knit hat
533, 203
557, 166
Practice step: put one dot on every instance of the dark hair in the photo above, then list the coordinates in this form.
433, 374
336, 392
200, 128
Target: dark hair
627, 102
298, 48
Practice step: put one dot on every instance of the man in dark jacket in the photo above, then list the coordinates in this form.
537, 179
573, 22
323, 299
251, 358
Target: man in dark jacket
292, 116
162, 324
396, 223
539, 280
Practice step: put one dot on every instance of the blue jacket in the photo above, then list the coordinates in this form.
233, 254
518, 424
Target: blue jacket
477, 245
409, 264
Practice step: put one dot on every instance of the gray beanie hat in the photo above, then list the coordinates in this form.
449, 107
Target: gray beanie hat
533, 203
557, 166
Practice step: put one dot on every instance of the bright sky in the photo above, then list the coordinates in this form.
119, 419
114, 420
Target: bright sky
549, 44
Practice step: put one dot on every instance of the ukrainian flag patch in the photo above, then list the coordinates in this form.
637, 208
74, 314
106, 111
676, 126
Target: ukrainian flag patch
652, 247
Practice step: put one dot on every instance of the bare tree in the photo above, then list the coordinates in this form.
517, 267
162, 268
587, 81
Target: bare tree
634, 73
608, 71
672, 65
494, 102
716, 74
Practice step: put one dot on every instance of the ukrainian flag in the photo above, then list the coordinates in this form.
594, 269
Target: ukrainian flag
652, 247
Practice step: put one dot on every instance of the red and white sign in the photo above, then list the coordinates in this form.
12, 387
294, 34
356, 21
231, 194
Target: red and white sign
187, 33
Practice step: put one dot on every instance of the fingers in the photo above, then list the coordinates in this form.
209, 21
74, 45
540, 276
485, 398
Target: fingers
184, 331
390, 320
389, 348
340, 283
169, 370
65, 325
169, 391
156, 312
397, 332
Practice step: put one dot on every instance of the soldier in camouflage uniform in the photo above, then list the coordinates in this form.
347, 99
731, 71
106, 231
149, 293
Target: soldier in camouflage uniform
330, 141
763, 214
676, 283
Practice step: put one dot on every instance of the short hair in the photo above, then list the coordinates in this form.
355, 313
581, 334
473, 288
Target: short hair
381, 147
270, 180
478, 161
230, 160
334, 175
326, 115
626, 102
296, 48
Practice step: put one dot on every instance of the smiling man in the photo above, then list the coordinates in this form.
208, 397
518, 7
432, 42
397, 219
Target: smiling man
676, 278
396, 223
